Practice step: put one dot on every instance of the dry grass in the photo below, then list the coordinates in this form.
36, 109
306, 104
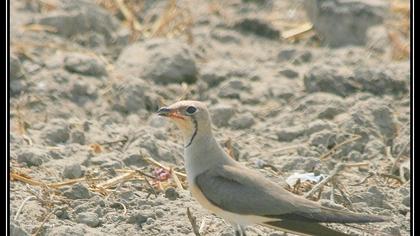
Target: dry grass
173, 22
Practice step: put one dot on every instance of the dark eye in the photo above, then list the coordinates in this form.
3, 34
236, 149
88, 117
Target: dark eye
190, 110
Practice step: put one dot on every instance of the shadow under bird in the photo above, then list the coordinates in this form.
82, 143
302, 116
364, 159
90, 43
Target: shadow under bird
240, 195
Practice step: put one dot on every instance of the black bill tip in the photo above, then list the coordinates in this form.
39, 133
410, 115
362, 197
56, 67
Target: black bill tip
164, 111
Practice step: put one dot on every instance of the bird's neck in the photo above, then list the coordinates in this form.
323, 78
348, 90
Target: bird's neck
202, 154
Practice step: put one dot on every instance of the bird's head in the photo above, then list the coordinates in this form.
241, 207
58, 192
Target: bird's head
191, 117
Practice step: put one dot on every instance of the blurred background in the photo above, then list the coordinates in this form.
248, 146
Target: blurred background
295, 88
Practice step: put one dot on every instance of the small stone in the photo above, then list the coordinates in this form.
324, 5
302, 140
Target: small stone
299, 163
84, 64
73, 171
82, 91
56, 133
159, 213
243, 121
163, 61
89, 218
111, 165
355, 156
17, 76
232, 89
330, 111
32, 157
289, 73
303, 57
62, 214
341, 22
134, 159
77, 191
171, 194
384, 119
287, 54
150, 221
221, 114
290, 133
132, 96
80, 17
329, 79
257, 27
16, 70
225, 36
391, 230
373, 197
324, 138
78, 136
140, 217
213, 73
380, 80
406, 201
282, 91
405, 190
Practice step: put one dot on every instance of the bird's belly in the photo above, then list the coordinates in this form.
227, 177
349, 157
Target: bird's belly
229, 216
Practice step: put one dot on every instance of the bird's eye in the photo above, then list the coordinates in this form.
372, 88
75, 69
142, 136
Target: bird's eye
191, 110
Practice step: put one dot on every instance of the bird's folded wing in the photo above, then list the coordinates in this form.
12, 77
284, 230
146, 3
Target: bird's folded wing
242, 191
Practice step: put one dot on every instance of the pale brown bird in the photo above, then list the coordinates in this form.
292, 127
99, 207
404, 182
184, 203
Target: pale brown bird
240, 195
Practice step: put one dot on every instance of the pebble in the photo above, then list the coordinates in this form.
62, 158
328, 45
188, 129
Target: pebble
84, 64
171, 193
243, 121
55, 133
73, 171
325, 78
32, 157
140, 217
257, 27
89, 218
221, 114
78, 136
77, 191
78, 17
289, 73
163, 61
353, 18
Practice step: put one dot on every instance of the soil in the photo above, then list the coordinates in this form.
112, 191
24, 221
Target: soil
87, 79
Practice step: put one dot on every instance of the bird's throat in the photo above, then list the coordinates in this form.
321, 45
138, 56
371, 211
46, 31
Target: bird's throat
190, 140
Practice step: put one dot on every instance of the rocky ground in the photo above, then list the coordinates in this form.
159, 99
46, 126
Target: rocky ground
285, 97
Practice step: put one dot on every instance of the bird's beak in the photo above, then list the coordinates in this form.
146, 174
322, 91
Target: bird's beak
164, 111
170, 113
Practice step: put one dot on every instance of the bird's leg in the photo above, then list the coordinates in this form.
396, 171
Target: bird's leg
242, 230
238, 230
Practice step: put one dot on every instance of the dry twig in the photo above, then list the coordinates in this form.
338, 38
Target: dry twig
21, 207
43, 222
338, 168
336, 147
193, 222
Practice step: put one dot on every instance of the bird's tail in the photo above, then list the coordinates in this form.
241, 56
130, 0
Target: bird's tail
336, 216
303, 228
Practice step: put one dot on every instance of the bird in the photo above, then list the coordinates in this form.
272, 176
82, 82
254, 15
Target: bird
240, 195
